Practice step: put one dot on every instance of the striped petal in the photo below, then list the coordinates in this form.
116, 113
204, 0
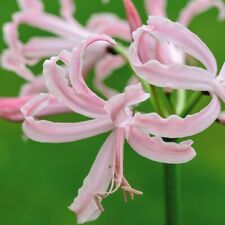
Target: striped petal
52, 132
59, 86
98, 180
175, 126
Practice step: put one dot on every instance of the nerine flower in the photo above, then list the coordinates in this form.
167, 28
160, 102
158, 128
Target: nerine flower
67, 85
67, 32
177, 75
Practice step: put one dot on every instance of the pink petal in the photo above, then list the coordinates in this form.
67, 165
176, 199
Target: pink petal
186, 40
175, 126
156, 7
76, 64
10, 108
10, 62
8, 59
46, 131
50, 23
106, 23
119, 105
166, 30
132, 15
103, 69
196, 7
156, 149
34, 88
11, 36
98, 180
42, 47
58, 85
167, 53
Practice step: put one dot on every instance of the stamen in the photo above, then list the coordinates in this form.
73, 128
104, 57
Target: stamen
131, 190
125, 196
98, 200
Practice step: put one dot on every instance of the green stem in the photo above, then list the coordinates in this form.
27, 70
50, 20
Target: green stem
191, 103
154, 97
181, 99
172, 194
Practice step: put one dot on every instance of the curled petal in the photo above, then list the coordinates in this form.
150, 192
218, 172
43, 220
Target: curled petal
106, 23
87, 205
175, 126
196, 7
180, 36
10, 62
58, 85
46, 131
175, 33
103, 69
175, 76
156, 149
76, 65
156, 7
119, 105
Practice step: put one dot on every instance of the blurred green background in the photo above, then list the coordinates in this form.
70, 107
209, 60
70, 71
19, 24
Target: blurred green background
38, 181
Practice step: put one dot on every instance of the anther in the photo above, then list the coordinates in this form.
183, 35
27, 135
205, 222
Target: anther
98, 200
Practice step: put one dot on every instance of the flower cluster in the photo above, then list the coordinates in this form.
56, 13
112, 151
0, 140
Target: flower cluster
157, 54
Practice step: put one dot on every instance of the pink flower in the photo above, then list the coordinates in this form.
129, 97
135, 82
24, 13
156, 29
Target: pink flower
66, 83
176, 75
68, 34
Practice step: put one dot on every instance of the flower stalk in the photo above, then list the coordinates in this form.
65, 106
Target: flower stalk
172, 194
